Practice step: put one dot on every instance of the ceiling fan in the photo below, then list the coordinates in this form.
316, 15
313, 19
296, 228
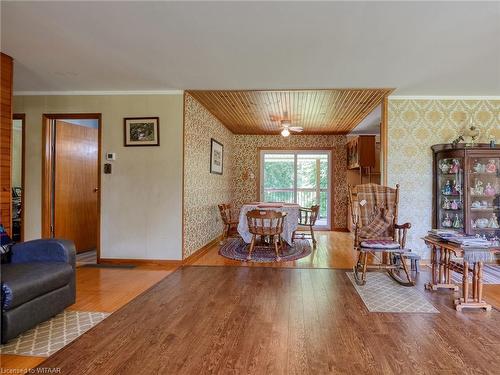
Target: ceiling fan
286, 128
286, 125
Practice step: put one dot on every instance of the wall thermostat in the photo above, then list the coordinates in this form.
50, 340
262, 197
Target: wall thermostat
110, 156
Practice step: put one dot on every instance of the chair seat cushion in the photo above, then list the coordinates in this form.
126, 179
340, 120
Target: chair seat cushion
22, 282
380, 244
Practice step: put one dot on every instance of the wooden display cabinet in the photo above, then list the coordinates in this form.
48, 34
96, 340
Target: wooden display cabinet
466, 188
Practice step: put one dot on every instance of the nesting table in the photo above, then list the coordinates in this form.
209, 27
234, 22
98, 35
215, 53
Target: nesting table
443, 261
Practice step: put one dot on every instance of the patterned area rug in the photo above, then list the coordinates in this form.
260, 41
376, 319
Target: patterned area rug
54, 334
383, 294
491, 275
237, 249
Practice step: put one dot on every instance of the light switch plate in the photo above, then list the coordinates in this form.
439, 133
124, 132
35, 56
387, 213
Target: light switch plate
110, 156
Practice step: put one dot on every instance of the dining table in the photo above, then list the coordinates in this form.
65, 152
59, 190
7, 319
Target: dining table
290, 222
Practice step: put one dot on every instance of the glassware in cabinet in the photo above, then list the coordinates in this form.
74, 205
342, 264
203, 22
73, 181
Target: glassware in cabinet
450, 210
484, 195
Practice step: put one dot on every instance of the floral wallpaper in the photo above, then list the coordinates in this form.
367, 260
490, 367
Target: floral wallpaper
413, 127
203, 191
246, 165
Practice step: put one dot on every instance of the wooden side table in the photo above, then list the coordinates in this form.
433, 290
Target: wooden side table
440, 269
442, 265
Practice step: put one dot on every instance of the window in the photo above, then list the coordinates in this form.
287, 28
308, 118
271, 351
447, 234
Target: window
301, 177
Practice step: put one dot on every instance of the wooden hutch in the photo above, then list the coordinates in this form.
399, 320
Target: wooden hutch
466, 188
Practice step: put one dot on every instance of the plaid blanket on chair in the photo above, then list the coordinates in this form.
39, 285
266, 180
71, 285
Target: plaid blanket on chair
382, 219
377, 210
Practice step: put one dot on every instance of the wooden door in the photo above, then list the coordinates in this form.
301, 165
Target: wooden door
76, 184
6, 142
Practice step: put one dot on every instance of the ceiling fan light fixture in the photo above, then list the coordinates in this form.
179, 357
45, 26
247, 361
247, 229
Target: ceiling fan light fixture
285, 132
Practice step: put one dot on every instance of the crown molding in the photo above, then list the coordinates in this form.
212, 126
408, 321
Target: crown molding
443, 97
66, 93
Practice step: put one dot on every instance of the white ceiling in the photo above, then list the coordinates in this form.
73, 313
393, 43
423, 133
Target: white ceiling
427, 48
370, 124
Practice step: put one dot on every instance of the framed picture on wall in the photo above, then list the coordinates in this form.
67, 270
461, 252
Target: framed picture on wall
141, 131
216, 157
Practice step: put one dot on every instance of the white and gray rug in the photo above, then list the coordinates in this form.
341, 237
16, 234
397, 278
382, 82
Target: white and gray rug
54, 334
383, 294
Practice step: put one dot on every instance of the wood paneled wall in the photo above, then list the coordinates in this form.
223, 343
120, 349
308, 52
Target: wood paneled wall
6, 141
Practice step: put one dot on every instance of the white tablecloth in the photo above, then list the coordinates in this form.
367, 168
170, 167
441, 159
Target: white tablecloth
289, 226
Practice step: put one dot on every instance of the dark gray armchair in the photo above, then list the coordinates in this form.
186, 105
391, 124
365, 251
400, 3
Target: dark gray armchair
37, 283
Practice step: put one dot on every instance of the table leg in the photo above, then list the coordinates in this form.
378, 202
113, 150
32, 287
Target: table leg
477, 289
474, 282
440, 273
433, 263
465, 282
479, 281
430, 284
448, 271
441, 265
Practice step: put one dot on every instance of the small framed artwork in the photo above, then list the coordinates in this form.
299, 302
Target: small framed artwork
216, 157
142, 131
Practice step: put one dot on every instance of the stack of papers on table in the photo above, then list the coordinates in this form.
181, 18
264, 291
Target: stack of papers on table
474, 242
465, 241
443, 234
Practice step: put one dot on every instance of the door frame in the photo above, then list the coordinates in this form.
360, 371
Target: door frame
22, 117
384, 140
304, 149
47, 170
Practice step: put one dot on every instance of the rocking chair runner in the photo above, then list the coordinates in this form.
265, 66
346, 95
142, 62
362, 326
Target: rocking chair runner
266, 223
374, 210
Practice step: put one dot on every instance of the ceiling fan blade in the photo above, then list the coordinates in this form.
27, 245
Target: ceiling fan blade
297, 129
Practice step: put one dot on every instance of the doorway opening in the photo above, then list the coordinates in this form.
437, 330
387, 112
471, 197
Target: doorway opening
17, 176
71, 182
298, 176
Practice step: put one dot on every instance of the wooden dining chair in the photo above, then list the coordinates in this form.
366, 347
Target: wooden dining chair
229, 218
307, 220
266, 223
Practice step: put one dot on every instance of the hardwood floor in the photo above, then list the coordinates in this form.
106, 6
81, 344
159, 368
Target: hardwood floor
278, 321
333, 250
100, 289
258, 319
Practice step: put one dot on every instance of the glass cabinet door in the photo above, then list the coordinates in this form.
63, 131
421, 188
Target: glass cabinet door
484, 198
450, 193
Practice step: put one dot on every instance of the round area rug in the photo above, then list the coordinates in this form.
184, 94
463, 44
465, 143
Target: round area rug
237, 249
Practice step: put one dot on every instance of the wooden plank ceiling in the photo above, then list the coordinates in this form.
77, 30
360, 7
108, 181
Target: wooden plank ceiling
329, 111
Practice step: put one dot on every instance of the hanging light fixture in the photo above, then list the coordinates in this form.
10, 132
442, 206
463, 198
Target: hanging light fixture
287, 128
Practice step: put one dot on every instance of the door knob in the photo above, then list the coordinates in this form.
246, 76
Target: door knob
96, 190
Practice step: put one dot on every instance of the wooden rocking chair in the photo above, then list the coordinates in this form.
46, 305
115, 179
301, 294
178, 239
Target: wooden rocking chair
374, 210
